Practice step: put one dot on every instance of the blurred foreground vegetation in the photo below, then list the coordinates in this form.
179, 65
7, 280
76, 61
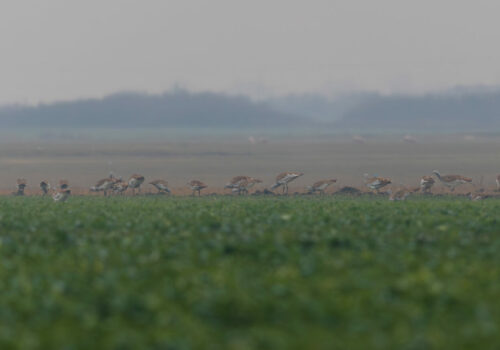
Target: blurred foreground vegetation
249, 273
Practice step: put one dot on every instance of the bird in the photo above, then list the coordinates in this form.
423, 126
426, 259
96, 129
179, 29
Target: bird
104, 185
498, 182
452, 181
245, 185
236, 182
161, 186
241, 184
135, 182
376, 183
196, 186
283, 179
45, 187
320, 186
120, 186
61, 195
426, 183
399, 195
63, 184
20, 185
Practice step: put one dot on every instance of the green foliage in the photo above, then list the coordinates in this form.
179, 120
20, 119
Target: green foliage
249, 273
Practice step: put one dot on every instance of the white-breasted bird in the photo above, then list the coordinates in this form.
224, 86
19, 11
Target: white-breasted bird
161, 186
120, 186
452, 181
426, 183
241, 184
196, 186
61, 195
283, 179
375, 183
135, 182
321, 185
104, 185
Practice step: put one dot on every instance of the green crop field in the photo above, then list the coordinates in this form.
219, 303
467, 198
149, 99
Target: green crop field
249, 273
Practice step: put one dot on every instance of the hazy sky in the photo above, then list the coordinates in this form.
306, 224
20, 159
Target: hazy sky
63, 49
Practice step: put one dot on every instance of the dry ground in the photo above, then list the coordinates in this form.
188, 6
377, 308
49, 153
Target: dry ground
217, 161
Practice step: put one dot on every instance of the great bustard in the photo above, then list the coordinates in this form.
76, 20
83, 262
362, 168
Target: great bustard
426, 183
161, 186
285, 178
61, 195
20, 186
452, 181
376, 183
241, 184
120, 186
321, 185
196, 186
45, 187
104, 185
135, 182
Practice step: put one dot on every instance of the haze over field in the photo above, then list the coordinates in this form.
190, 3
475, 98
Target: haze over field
344, 64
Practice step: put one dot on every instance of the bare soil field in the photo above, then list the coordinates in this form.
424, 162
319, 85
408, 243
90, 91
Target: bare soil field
216, 162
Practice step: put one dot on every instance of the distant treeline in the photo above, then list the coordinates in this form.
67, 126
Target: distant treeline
453, 111
135, 110
445, 112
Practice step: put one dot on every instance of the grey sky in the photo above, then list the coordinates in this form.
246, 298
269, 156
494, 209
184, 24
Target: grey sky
63, 49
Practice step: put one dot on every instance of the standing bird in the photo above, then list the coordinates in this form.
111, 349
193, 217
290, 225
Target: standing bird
241, 184
284, 178
45, 187
196, 186
135, 181
161, 186
120, 186
62, 195
498, 182
426, 183
376, 183
320, 186
104, 185
63, 184
20, 185
452, 181
246, 185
